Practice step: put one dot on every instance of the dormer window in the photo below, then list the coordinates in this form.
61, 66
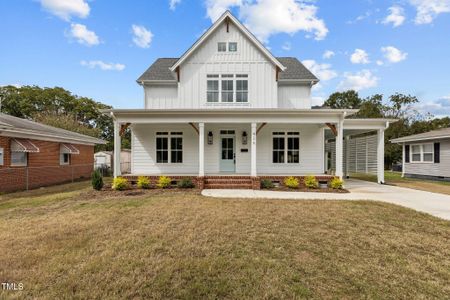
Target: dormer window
222, 47
232, 47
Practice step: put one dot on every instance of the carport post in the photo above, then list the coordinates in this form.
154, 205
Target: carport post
339, 149
117, 149
380, 156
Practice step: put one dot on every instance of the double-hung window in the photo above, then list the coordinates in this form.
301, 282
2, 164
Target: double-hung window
212, 89
422, 153
221, 47
227, 88
241, 88
286, 147
19, 159
232, 47
169, 147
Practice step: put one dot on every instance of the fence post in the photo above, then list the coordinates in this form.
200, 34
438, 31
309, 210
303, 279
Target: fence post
71, 167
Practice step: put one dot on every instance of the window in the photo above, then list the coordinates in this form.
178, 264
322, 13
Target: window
232, 47
19, 159
64, 159
422, 153
241, 88
169, 144
222, 47
212, 89
227, 88
2, 153
286, 147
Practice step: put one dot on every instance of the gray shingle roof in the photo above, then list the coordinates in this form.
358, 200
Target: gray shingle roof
8, 123
159, 70
430, 135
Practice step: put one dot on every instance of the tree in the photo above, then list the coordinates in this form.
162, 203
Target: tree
60, 108
340, 100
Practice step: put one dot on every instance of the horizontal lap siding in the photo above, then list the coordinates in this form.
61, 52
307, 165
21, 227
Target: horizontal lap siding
311, 151
144, 150
433, 169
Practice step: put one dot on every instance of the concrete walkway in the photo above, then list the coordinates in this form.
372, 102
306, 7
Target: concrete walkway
433, 203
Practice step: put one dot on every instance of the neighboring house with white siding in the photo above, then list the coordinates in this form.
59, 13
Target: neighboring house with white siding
227, 106
426, 155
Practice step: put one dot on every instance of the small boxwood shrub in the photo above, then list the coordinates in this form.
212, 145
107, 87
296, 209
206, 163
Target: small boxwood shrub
291, 182
337, 183
267, 184
186, 183
143, 182
164, 182
120, 184
97, 180
311, 182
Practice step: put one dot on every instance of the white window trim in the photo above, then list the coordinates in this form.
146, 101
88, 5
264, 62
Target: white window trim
2, 156
227, 48
169, 135
234, 79
286, 136
421, 161
25, 164
61, 159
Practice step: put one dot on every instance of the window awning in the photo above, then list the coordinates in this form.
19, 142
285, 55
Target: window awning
69, 149
23, 145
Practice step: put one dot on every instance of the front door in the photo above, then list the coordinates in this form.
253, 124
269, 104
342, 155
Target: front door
227, 154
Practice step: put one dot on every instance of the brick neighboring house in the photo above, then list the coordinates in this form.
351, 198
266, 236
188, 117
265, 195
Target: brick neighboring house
33, 155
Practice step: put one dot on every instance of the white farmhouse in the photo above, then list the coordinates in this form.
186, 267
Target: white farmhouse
228, 112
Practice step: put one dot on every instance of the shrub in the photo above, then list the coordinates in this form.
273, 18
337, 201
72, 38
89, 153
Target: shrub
143, 182
337, 183
120, 184
291, 182
267, 184
97, 180
186, 183
164, 182
311, 182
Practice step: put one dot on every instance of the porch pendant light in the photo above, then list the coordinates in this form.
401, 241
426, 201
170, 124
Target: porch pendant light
244, 138
210, 138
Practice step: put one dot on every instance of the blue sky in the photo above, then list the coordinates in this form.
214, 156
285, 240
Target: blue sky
98, 48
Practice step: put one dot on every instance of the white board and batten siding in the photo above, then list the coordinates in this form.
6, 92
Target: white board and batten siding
144, 150
441, 169
294, 96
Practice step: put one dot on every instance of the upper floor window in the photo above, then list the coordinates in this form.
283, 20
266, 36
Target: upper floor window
232, 88
286, 147
169, 147
221, 47
232, 47
422, 153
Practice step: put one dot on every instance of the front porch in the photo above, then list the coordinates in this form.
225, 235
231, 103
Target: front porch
239, 147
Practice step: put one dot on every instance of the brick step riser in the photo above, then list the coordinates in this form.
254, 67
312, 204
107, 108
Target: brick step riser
225, 186
220, 181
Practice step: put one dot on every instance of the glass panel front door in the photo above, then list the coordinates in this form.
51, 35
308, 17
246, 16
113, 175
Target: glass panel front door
227, 154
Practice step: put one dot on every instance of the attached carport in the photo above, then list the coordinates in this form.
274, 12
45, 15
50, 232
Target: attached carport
362, 148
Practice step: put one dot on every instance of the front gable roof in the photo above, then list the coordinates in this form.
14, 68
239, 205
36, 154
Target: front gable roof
227, 16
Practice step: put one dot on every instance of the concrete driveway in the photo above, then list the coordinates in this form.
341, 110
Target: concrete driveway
433, 203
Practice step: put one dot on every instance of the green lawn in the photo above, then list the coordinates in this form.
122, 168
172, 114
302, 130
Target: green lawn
395, 178
71, 242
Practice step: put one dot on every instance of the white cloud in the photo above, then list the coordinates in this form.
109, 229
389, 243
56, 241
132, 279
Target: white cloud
65, 9
396, 16
323, 71
286, 46
358, 81
173, 4
393, 55
359, 57
360, 18
438, 108
142, 37
380, 63
102, 65
268, 17
83, 35
428, 10
328, 54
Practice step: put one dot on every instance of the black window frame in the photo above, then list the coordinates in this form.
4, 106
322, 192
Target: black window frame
169, 147
286, 147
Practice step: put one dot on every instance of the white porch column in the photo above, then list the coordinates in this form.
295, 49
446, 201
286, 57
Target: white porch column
403, 160
380, 156
339, 149
117, 149
201, 149
253, 151
347, 155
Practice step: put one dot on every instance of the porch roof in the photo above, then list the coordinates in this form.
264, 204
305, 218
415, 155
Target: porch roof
235, 115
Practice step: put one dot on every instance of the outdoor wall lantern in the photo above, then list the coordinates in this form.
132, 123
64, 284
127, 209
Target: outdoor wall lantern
244, 138
210, 138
